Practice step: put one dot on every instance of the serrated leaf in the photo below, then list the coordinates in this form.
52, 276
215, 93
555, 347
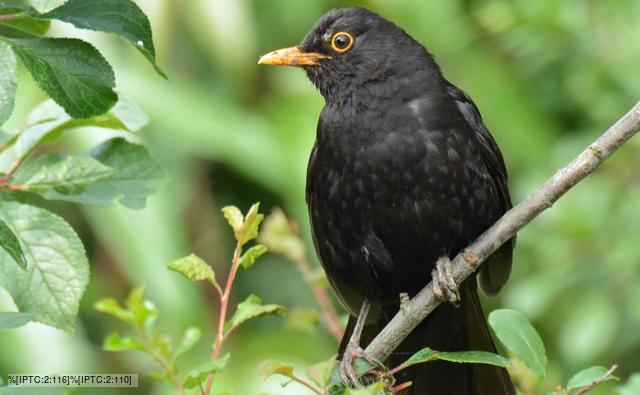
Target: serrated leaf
71, 71
373, 389
23, 21
57, 268
116, 343
111, 306
10, 243
121, 17
8, 81
251, 308
137, 176
428, 355
46, 5
251, 255
520, 338
189, 339
270, 367
12, 320
588, 376
194, 268
251, 224
320, 373
234, 217
66, 175
199, 374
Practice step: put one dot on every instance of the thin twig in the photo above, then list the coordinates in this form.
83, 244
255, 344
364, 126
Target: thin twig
14, 167
9, 17
601, 380
469, 260
304, 383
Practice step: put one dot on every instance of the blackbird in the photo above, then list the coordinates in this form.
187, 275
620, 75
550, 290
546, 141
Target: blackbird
402, 176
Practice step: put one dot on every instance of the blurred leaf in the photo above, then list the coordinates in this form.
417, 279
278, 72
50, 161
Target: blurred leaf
199, 374
587, 376
12, 320
8, 81
11, 244
194, 268
25, 22
280, 236
116, 343
189, 339
251, 308
48, 121
143, 310
111, 306
373, 389
137, 176
121, 17
320, 373
46, 5
270, 367
245, 228
57, 267
160, 376
520, 338
71, 71
304, 320
428, 355
249, 257
632, 386
67, 175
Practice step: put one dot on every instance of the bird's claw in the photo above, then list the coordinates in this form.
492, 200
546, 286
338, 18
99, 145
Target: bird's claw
444, 286
347, 372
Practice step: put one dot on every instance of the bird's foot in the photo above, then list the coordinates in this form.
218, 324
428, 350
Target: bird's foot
347, 371
444, 286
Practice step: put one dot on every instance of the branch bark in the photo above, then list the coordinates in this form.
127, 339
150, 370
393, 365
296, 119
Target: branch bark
469, 260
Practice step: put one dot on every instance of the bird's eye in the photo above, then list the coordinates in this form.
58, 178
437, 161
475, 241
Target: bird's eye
341, 42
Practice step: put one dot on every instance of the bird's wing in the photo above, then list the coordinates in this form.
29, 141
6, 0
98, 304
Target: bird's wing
496, 271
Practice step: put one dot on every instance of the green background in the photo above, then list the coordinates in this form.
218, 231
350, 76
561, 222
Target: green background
548, 76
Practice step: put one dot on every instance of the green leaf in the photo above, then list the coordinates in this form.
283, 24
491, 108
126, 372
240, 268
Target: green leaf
71, 71
249, 257
373, 389
270, 367
428, 355
48, 121
121, 17
245, 228
8, 81
303, 320
320, 373
57, 267
194, 268
46, 5
234, 217
199, 374
11, 244
137, 176
632, 386
520, 338
24, 22
111, 306
251, 308
279, 235
12, 320
116, 343
143, 310
189, 339
66, 175
161, 376
588, 376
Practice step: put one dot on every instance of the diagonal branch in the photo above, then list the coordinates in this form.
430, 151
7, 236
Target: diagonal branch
469, 260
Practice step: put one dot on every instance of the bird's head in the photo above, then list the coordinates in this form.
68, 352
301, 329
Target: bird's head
353, 48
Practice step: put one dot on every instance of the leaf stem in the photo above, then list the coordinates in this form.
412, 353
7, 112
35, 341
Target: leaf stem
9, 17
11, 171
601, 380
304, 383
224, 305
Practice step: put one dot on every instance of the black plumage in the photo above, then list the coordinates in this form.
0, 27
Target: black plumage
403, 171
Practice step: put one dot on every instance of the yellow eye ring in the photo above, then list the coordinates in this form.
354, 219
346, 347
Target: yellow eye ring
341, 42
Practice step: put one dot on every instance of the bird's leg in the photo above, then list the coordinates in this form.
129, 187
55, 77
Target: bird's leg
444, 286
353, 350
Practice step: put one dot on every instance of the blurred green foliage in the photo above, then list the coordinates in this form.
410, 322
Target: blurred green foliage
548, 77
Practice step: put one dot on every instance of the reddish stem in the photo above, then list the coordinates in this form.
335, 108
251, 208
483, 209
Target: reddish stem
224, 304
9, 17
11, 171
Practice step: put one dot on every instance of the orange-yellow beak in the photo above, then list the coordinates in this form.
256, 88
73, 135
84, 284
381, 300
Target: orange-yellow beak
292, 57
